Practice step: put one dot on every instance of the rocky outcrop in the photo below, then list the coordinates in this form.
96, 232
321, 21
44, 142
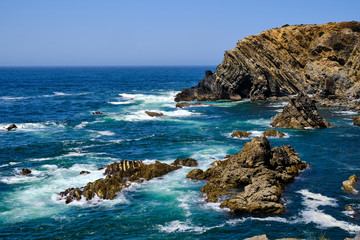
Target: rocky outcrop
315, 59
119, 175
187, 162
84, 172
240, 134
25, 171
299, 113
186, 104
348, 185
11, 126
252, 180
273, 133
356, 120
97, 112
154, 114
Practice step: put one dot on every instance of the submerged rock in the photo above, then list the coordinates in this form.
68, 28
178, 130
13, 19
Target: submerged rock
299, 113
348, 185
25, 171
240, 134
187, 162
154, 114
97, 112
252, 180
356, 120
273, 133
84, 172
119, 175
11, 126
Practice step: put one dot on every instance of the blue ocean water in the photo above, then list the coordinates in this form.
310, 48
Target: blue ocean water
57, 137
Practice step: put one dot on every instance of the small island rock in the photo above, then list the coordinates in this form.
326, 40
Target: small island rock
84, 172
187, 162
25, 171
154, 114
240, 134
11, 126
348, 185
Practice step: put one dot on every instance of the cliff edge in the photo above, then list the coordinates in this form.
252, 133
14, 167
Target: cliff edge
323, 60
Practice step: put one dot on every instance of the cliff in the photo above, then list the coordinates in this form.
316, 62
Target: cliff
323, 60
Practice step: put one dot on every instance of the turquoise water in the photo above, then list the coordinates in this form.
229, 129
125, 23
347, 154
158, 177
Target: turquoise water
58, 137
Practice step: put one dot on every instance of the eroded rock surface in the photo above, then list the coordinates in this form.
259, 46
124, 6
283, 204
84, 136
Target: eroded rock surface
323, 60
118, 176
348, 185
240, 134
299, 113
252, 180
187, 162
273, 133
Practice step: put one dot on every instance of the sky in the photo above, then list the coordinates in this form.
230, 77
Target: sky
146, 32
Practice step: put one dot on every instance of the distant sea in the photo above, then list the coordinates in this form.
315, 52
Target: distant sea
57, 137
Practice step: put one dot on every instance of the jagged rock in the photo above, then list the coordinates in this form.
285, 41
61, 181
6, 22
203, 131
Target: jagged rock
84, 172
348, 185
186, 105
154, 114
240, 134
356, 120
25, 171
252, 180
119, 175
285, 61
187, 162
299, 113
273, 133
97, 112
11, 126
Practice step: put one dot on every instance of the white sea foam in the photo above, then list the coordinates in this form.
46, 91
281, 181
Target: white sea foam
142, 116
179, 226
278, 104
33, 127
121, 103
57, 94
7, 98
102, 133
163, 97
312, 201
349, 112
81, 125
260, 122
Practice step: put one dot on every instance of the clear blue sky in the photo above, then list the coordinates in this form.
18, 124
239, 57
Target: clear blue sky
146, 32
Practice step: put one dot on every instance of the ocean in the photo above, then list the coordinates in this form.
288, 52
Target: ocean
58, 136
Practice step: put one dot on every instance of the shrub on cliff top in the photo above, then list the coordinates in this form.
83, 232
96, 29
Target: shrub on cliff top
286, 25
338, 46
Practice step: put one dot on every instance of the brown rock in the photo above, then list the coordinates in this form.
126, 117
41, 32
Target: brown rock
299, 113
356, 120
273, 133
84, 172
25, 171
240, 134
154, 114
97, 113
187, 162
118, 176
348, 185
11, 126
253, 179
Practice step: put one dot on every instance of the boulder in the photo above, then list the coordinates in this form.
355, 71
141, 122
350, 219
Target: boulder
299, 113
273, 133
97, 112
25, 171
154, 114
356, 120
252, 180
240, 134
11, 126
84, 172
119, 175
348, 185
187, 162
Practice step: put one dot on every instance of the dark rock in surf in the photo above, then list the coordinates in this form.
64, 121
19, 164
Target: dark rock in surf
356, 120
240, 134
97, 113
154, 114
25, 171
187, 162
273, 133
84, 172
11, 126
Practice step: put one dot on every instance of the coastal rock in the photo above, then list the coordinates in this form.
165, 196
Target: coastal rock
252, 180
240, 134
154, 114
25, 171
11, 126
285, 61
356, 120
97, 112
119, 175
273, 133
261, 237
84, 172
299, 113
187, 162
186, 105
348, 185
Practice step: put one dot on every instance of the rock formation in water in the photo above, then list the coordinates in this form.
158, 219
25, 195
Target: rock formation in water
323, 60
240, 134
273, 133
299, 113
154, 114
25, 171
11, 126
119, 175
187, 162
356, 120
349, 184
252, 180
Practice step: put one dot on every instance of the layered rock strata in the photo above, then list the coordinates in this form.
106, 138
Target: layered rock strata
119, 175
252, 180
323, 60
299, 113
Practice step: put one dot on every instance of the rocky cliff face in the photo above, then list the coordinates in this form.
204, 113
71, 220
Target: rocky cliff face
314, 59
